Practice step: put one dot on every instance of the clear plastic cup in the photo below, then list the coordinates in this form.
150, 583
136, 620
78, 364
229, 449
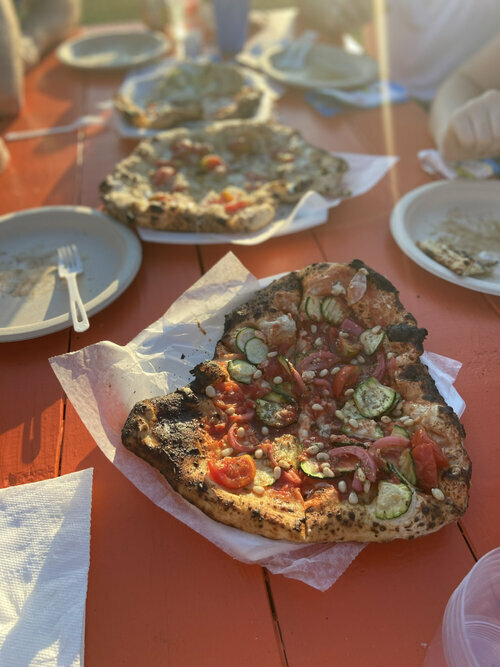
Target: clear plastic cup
471, 621
231, 22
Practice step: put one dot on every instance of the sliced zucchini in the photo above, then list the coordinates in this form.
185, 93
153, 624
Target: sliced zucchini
399, 430
277, 415
313, 307
348, 349
365, 428
373, 399
264, 474
256, 350
241, 371
332, 310
350, 411
393, 500
371, 341
311, 468
405, 468
275, 397
243, 336
286, 449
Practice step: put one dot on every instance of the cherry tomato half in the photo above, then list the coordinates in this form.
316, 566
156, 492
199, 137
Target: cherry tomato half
233, 472
346, 377
421, 437
425, 466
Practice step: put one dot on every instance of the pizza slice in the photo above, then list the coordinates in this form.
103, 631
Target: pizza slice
224, 178
316, 420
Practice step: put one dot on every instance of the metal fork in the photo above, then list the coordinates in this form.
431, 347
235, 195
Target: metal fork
69, 266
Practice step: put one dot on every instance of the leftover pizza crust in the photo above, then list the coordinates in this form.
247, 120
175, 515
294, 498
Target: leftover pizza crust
192, 92
223, 178
315, 421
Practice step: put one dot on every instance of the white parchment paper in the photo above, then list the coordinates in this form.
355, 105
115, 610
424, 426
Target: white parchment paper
104, 381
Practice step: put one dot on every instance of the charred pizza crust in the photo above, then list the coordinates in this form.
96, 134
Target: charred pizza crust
224, 178
178, 434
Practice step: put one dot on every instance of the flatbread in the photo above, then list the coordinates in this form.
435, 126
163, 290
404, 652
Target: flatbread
223, 178
315, 421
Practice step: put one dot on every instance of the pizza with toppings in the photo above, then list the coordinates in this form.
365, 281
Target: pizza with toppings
223, 178
190, 91
316, 420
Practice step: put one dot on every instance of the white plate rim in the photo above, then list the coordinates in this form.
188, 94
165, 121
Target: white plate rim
128, 131
407, 244
159, 45
298, 79
95, 305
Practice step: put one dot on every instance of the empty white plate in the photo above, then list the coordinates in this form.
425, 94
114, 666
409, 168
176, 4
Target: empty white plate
113, 50
33, 299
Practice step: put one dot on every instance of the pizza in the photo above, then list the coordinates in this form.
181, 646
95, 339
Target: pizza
189, 92
315, 421
223, 178
460, 261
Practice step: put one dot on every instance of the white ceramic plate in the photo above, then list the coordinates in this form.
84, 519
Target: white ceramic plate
138, 86
33, 299
420, 214
325, 66
113, 50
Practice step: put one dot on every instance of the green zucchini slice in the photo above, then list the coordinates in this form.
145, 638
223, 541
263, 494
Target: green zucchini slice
277, 415
371, 341
311, 468
313, 307
373, 399
264, 474
332, 310
243, 336
241, 371
393, 500
256, 350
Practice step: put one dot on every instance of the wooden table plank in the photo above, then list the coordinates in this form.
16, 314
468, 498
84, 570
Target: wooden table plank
382, 612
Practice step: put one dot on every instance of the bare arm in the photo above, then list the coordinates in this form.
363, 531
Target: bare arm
465, 114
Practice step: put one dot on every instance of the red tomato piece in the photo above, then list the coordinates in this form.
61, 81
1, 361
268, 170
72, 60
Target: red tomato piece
422, 437
234, 206
233, 472
425, 466
346, 377
211, 161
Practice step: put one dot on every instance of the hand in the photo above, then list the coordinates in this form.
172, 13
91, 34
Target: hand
474, 129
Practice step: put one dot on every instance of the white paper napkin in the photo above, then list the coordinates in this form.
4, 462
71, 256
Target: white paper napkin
103, 381
44, 562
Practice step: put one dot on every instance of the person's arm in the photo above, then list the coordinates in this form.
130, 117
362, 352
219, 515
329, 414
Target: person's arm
11, 66
46, 24
465, 113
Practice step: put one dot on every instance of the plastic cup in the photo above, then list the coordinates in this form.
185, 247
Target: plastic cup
471, 621
231, 24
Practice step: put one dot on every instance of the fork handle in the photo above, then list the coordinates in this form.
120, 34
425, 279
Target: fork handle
78, 314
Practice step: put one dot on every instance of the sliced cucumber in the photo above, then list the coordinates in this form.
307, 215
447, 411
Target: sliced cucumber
241, 371
256, 350
313, 307
243, 336
365, 428
264, 474
286, 449
332, 310
393, 500
277, 415
311, 468
371, 341
373, 399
